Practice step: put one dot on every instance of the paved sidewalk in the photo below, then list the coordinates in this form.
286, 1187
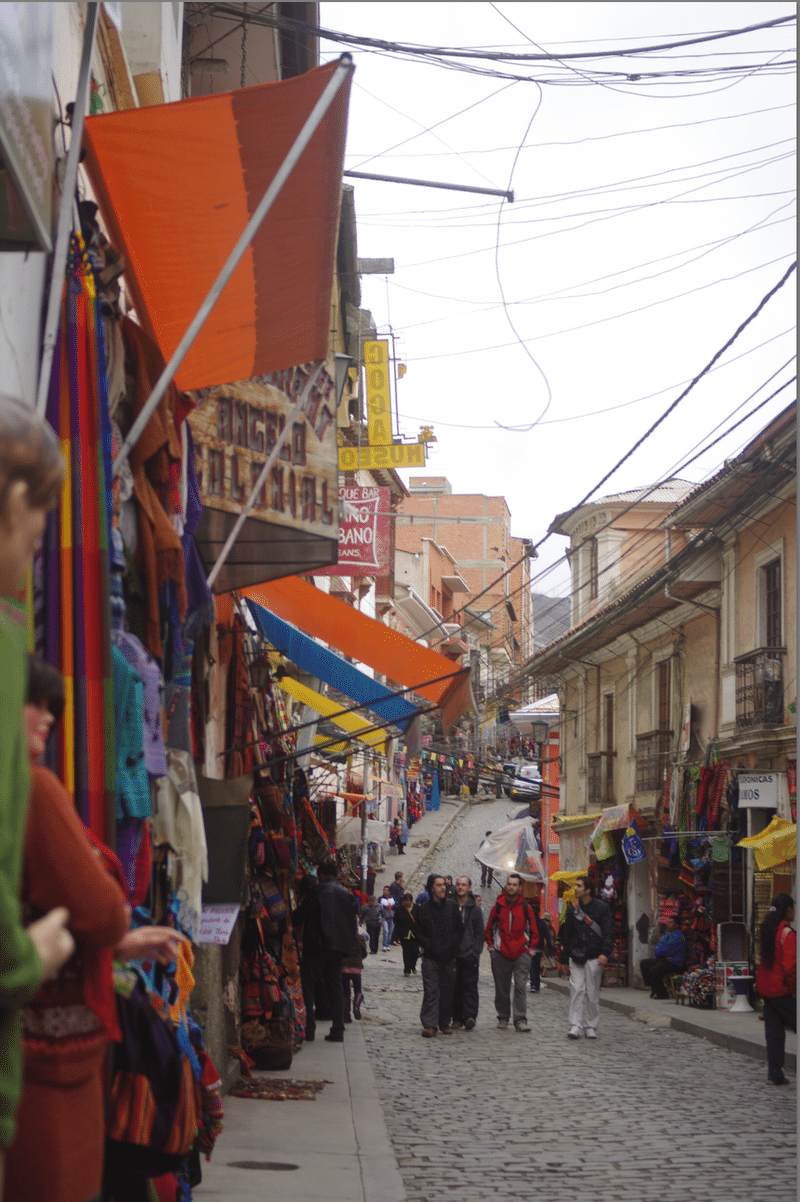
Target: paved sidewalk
335, 1148
423, 839
742, 1033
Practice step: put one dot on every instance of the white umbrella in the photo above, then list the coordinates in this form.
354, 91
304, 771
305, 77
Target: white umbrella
514, 848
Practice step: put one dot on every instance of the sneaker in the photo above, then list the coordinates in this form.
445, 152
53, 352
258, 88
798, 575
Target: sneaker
456, 1024
502, 1023
591, 1033
778, 1080
574, 1033
469, 1024
446, 1030
428, 1032
521, 1025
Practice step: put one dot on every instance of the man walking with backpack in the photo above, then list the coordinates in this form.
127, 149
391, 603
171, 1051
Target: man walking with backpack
587, 941
510, 936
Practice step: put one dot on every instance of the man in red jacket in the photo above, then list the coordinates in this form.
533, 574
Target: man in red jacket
510, 936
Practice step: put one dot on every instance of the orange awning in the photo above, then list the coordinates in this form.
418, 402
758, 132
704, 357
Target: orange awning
177, 185
387, 651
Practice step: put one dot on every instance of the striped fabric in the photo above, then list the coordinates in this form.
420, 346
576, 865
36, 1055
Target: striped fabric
77, 618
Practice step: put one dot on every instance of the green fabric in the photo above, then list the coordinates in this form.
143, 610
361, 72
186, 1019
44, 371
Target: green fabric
20, 966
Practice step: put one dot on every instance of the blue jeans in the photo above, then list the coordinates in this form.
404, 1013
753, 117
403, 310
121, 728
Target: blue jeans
388, 928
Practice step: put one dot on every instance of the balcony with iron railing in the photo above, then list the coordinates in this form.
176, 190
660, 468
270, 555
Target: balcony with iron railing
652, 759
759, 688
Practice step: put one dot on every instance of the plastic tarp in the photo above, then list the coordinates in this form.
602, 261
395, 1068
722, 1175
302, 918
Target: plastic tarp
776, 844
177, 184
396, 657
326, 665
514, 848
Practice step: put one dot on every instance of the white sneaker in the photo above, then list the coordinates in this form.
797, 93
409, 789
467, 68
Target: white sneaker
591, 1033
574, 1033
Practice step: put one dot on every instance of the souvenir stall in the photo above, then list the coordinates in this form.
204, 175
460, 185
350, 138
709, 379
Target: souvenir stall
117, 605
700, 878
620, 873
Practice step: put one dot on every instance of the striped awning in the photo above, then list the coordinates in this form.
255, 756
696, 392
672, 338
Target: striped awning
177, 185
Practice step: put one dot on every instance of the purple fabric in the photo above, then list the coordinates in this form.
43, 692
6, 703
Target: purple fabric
155, 755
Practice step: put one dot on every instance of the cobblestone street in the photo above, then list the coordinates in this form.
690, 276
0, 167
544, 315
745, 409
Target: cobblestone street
644, 1113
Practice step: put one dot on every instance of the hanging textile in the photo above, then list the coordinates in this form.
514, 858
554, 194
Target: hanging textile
76, 590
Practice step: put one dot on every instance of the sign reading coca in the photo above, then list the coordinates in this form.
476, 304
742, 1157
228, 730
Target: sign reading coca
364, 532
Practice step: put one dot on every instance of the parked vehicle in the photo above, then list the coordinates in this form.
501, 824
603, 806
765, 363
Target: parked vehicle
526, 783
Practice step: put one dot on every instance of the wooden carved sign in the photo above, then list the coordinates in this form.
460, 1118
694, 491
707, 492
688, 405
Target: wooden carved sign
294, 524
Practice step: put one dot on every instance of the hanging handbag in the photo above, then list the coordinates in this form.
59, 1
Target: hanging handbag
154, 1105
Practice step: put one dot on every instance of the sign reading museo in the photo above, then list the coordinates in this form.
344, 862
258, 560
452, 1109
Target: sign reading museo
364, 532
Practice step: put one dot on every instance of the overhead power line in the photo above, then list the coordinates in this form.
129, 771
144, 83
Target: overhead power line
332, 35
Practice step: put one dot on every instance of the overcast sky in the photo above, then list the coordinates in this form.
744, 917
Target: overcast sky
650, 218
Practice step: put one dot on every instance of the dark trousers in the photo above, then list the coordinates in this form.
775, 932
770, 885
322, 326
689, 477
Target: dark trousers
324, 968
437, 992
486, 876
410, 949
654, 973
465, 993
536, 965
347, 978
374, 937
401, 849
779, 1013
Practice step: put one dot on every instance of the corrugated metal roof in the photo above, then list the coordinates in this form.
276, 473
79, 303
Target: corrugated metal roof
669, 493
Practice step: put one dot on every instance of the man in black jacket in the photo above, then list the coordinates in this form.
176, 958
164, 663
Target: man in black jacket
439, 935
465, 994
587, 942
328, 914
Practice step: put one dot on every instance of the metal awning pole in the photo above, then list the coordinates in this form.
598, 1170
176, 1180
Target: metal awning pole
65, 211
263, 474
343, 69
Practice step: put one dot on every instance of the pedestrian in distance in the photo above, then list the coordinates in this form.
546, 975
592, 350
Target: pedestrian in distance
397, 889
439, 934
479, 904
387, 904
405, 928
465, 994
587, 936
401, 830
371, 916
544, 944
327, 914
352, 964
487, 874
449, 887
777, 982
31, 474
670, 957
510, 936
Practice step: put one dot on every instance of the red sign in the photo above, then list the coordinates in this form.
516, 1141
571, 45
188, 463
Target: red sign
364, 532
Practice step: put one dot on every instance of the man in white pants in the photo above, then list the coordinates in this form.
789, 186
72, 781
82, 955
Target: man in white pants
587, 942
